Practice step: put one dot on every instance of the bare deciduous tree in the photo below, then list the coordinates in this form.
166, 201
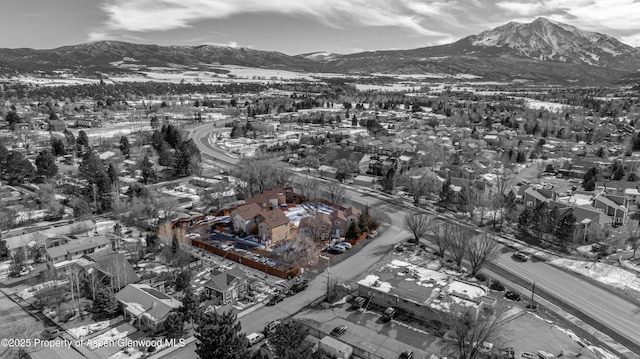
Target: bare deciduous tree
481, 249
418, 224
634, 237
441, 235
470, 331
458, 243
336, 191
260, 173
299, 251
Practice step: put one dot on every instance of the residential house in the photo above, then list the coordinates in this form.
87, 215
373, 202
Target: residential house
616, 207
352, 214
339, 224
146, 307
273, 225
244, 218
274, 197
56, 126
111, 268
533, 197
227, 287
77, 248
632, 195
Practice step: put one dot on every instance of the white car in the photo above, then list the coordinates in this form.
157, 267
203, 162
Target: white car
192, 235
346, 245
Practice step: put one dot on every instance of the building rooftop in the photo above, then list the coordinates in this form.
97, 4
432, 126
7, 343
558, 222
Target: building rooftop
425, 285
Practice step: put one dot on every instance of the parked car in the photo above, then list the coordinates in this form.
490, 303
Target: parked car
338, 331
346, 245
335, 249
256, 257
224, 247
255, 338
521, 256
275, 299
271, 263
407, 354
389, 314
192, 235
271, 326
298, 287
359, 302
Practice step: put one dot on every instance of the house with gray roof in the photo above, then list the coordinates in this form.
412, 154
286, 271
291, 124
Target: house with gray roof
146, 307
227, 287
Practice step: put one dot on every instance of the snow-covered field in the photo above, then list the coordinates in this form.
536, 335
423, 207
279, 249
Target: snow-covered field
602, 272
551, 106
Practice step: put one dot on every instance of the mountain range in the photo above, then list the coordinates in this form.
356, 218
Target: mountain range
541, 51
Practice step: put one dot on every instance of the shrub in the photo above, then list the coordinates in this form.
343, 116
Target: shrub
481, 277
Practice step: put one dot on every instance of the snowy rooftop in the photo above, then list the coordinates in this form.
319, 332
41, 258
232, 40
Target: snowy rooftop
424, 283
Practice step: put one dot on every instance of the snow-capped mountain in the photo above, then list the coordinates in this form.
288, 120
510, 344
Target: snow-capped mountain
320, 56
540, 51
544, 39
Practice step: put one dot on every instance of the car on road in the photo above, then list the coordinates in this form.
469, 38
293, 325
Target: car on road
407, 354
339, 330
275, 299
521, 256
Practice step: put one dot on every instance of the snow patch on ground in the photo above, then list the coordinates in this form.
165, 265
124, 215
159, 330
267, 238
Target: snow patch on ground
602, 272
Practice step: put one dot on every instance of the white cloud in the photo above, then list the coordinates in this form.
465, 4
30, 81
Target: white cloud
633, 40
161, 15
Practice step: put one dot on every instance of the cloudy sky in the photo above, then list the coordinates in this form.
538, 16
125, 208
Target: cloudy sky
296, 26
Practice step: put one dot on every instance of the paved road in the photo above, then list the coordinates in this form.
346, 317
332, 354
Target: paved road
608, 309
605, 307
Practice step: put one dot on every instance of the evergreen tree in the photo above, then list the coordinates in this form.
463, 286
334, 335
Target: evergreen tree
354, 231
174, 325
17, 264
600, 152
113, 173
589, 179
363, 221
219, 336
289, 340
46, 165
83, 139
189, 305
105, 304
125, 148
524, 220
57, 146
618, 172
446, 194
183, 280
4, 250
148, 172
175, 245
17, 169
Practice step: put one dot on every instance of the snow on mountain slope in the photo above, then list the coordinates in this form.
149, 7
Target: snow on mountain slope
544, 39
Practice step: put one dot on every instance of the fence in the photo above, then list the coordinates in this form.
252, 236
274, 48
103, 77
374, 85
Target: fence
244, 260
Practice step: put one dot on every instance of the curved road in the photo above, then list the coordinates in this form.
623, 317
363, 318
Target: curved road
616, 313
